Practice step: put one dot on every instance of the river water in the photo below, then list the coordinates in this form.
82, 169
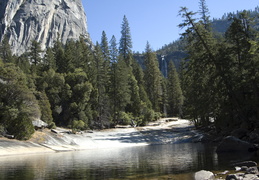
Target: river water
174, 161
173, 157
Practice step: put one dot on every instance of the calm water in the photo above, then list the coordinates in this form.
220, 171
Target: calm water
175, 161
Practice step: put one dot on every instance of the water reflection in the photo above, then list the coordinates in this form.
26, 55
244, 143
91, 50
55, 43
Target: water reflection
145, 162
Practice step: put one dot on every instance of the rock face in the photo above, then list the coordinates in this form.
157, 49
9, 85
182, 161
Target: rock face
42, 20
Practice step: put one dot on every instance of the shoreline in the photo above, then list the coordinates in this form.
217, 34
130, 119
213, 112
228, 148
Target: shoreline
45, 141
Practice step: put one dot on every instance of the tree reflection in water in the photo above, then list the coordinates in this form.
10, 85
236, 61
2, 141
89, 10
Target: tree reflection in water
178, 161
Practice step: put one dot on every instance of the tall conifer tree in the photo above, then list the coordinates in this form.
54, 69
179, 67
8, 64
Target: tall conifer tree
113, 78
35, 53
153, 79
5, 51
175, 95
204, 12
126, 42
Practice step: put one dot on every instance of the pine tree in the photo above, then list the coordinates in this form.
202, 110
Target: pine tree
105, 52
241, 67
53, 84
75, 98
204, 12
35, 53
102, 87
199, 77
59, 56
113, 50
153, 79
113, 78
46, 114
70, 56
139, 75
86, 60
105, 47
122, 88
49, 60
126, 42
175, 95
18, 105
5, 51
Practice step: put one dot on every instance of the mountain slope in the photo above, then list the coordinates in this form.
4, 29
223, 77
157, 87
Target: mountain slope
175, 51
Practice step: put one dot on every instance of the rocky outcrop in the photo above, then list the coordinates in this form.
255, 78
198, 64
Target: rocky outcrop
247, 171
41, 20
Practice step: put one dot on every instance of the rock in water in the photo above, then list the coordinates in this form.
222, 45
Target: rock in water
204, 175
233, 144
41, 20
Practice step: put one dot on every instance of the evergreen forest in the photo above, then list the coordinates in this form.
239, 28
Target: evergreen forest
81, 86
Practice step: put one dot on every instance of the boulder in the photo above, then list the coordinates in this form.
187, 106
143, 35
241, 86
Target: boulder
250, 177
246, 164
38, 124
252, 170
241, 176
233, 144
232, 177
204, 175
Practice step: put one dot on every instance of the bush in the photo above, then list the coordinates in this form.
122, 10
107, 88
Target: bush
2, 130
125, 118
46, 113
21, 127
78, 125
149, 115
52, 125
157, 116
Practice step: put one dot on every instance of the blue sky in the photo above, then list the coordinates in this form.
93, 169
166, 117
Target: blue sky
150, 20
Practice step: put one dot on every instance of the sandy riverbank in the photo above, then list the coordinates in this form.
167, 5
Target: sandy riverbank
164, 131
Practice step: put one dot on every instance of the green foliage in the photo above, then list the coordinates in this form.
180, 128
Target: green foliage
21, 126
153, 79
18, 105
59, 54
5, 51
52, 125
35, 53
43, 101
78, 125
49, 60
175, 94
122, 93
125, 42
220, 77
79, 86
125, 118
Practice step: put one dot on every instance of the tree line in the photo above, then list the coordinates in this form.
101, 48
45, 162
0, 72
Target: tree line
80, 86
220, 78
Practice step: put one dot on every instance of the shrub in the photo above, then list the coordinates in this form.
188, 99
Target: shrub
78, 125
52, 125
21, 127
125, 118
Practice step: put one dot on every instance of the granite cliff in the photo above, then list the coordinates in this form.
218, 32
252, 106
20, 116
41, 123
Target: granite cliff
42, 20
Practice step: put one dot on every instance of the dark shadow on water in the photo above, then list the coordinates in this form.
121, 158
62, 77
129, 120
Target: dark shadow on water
227, 159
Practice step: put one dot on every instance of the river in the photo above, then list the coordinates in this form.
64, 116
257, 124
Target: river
177, 160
